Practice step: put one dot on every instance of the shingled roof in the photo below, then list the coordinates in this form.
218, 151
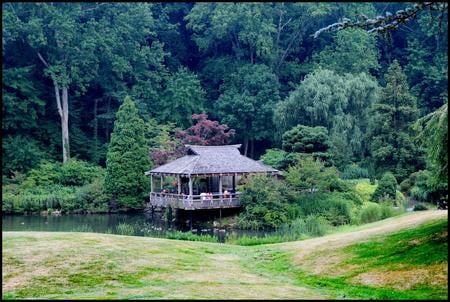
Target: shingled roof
224, 159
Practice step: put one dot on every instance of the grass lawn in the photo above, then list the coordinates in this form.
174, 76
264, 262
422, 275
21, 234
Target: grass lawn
407, 264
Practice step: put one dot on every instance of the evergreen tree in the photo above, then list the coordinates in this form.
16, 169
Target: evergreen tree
391, 136
127, 158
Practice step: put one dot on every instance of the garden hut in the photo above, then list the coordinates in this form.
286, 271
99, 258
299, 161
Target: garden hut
205, 178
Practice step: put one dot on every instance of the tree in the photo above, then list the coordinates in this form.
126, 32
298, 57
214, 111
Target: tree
354, 51
386, 189
339, 103
247, 101
391, 135
433, 133
206, 132
184, 95
80, 45
127, 158
389, 21
308, 140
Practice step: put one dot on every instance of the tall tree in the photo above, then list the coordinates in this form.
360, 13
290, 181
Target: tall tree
127, 158
433, 133
353, 51
247, 102
338, 102
183, 97
391, 135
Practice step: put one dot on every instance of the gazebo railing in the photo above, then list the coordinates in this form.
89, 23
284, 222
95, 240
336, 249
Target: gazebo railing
192, 202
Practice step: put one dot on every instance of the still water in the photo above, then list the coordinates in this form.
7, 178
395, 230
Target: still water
142, 224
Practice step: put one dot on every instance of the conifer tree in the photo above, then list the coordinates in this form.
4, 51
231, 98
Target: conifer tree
392, 143
127, 158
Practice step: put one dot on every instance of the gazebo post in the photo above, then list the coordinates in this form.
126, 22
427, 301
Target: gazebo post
161, 181
179, 184
190, 187
151, 183
234, 182
220, 187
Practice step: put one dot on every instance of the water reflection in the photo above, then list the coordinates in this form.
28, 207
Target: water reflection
152, 225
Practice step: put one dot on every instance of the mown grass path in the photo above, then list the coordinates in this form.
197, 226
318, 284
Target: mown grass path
350, 264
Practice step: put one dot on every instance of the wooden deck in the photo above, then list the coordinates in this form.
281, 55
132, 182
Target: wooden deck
194, 202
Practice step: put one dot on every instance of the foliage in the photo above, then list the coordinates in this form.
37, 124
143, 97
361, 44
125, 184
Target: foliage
392, 145
127, 158
247, 101
205, 132
265, 203
306, 139
434, 136
420, 207
334, 207
311, 175
370, 212
386, 189
354, 171
353, 51
125, 229
85, 228
339, 103
189, 236
183, 97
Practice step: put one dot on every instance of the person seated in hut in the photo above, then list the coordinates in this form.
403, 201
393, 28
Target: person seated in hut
226, 194
210, 196
203, 196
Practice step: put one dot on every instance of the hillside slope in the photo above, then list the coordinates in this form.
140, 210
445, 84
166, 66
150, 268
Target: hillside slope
366, 262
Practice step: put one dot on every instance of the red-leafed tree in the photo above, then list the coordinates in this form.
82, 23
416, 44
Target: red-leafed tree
205, 132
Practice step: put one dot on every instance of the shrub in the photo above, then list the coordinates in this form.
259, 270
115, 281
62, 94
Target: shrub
72, 173
386, 189
332, 206
386, 210
265, 203
365, 190
370, 212
310, 174
354, 171
420, 207
125, 229
275, 158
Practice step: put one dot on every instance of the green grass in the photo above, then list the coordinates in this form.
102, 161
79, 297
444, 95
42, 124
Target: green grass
102, 266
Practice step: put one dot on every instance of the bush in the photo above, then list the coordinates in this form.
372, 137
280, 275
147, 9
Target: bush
420, 207
370, 212
386, 189
125, 229
275, 158
386, 210
354, 171
365, 190
265, 203
310, 174
332, 206
72, 173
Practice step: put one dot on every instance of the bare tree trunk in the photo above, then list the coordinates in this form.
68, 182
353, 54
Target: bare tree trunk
252, 148
245, 145
62, 101
63, 111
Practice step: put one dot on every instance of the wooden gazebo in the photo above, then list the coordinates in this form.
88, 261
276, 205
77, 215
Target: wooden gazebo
205, 178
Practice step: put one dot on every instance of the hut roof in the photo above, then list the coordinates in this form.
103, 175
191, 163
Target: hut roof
212, 160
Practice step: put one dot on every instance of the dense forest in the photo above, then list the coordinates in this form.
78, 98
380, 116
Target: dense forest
362, 102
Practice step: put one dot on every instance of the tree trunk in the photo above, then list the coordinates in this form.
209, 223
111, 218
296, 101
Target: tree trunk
62, 102
252, 148
245, 145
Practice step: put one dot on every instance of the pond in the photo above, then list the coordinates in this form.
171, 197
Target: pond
138, 224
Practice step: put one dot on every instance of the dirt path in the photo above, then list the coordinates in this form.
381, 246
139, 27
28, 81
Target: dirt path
303, 248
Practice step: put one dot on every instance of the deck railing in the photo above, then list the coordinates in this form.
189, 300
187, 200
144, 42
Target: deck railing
192, 202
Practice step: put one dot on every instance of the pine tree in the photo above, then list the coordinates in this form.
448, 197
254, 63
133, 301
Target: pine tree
392, 137
127, 158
